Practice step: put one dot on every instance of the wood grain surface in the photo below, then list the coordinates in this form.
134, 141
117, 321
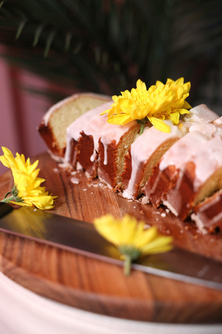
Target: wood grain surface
99, 287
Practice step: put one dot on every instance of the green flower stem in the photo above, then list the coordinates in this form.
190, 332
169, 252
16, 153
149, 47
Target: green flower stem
130, 253
142, 123
127, 265
8, 199
13, 196
142, 128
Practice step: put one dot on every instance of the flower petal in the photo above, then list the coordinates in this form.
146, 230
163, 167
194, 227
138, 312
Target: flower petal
146, 236
120, 119
158, 245
159, 124
107, 226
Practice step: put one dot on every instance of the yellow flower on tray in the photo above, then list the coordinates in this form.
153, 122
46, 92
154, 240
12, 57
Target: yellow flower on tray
26, 190
131, 238
160, 102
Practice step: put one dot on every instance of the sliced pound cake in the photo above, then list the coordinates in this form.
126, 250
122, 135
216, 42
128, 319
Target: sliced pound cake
55, 122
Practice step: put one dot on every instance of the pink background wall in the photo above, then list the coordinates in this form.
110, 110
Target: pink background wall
20, 112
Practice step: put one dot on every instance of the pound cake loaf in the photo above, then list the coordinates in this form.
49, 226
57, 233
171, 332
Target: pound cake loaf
55, 122
150, 145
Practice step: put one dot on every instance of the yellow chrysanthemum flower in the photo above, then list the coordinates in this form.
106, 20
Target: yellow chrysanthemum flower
160, 102
131, 238
27, 190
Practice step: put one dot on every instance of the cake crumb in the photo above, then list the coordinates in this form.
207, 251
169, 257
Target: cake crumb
85, 189
56, 170
163, 214
74, 180
144, 200
74, 172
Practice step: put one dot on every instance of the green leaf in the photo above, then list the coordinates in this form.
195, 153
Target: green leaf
49, 42
37, 34
20, 28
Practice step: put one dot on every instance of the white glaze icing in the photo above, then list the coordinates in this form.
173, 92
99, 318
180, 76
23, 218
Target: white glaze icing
218, 121
207, 159
200, 114
93, 128
142, 149
209, 130
171, 208
74, 130
99, 128
182, 150
198, 223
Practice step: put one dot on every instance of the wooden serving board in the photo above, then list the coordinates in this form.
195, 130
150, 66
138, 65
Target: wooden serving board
99, 287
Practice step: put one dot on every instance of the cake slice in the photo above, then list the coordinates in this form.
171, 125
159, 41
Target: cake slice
197, 176
143, 155
88, 143
208, 214
166, 173
55, 122
114, 143
99, 147
73, 134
